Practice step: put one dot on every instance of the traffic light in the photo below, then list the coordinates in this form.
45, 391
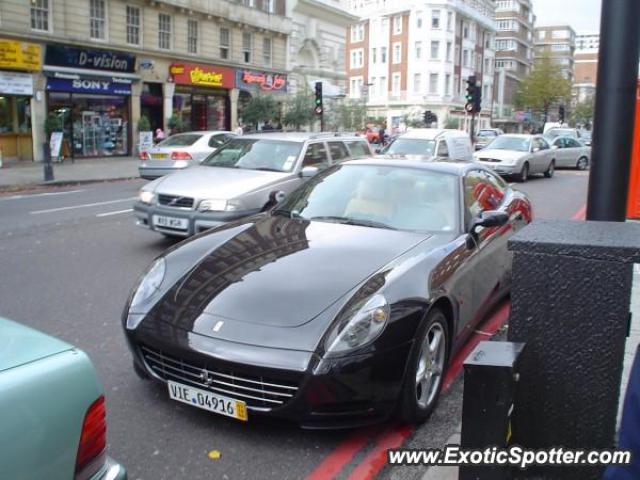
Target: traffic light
561, 113
318, 100
474, 96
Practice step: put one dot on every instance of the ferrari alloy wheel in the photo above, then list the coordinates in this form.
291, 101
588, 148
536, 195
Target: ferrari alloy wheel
426, 371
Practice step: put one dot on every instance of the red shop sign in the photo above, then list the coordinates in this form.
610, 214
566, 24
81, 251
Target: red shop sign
263, 80
202, 75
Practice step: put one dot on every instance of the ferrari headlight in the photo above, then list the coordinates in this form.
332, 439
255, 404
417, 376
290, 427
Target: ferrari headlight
150, 283
218, 205
361, 327
146, 196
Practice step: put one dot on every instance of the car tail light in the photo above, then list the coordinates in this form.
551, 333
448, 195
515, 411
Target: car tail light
180, 156
143, 155
93, 440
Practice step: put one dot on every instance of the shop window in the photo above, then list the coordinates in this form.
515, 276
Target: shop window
164, 31
40, 15
225, 43
6, 115
266, 51
192, 36
97, 19
246, 47
133, 25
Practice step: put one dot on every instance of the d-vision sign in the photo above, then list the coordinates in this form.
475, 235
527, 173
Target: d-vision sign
74, 57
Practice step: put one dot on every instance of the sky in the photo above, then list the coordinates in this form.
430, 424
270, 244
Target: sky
582, 15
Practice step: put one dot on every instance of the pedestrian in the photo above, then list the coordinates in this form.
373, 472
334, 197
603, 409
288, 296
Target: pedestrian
381, 134
267, 127
239, 129
160, 135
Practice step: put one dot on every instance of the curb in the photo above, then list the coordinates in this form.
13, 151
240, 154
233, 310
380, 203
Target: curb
58, 184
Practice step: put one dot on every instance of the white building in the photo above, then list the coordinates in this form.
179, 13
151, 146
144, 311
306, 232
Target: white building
316, 50
417, 55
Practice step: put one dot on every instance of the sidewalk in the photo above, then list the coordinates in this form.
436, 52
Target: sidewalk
18, 176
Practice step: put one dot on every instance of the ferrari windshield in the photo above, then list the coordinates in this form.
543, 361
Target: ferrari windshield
378, 196
505, 142
254, 154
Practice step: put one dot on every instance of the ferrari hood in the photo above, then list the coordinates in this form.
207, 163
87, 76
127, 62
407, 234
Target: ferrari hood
280, 273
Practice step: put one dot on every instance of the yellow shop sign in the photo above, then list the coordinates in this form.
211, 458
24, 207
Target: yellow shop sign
16, 55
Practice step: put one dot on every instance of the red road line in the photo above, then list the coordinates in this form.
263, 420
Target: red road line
395, 435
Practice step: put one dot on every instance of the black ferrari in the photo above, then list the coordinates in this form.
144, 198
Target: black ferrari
340, 306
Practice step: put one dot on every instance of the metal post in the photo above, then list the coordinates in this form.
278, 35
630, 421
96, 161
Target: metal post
614, 110
48, 167
472, 127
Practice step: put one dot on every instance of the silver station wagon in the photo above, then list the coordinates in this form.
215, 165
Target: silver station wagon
243, 177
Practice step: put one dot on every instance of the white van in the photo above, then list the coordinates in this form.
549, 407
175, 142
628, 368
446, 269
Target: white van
432, 144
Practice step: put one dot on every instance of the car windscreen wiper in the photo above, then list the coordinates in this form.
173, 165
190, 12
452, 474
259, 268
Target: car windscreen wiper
285, 213
353, 221
267, 169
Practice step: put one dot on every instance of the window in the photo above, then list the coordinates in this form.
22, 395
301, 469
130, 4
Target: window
487, 66
448, 58
480, 193
419, 20
357, 32
225, 43
268, 6
541, 34
435, 49
560, 34
373, 87
449, 21
383, 86
433, 83
40, 15
465, 58
192, 36
447, 84
316, 156
357, 58
505, 25
435, 19
395, 84
217, 140
384, 25
133, 25
266, 52
246, 47
397, 53
374, 56
383, 55
97, 19
416, 82
356, 87
485, 94
418, 50
442, 150
465, 30
164, 31
338, 151
397, 24
358, 149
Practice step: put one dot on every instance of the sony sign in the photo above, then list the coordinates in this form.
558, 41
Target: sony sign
91, 85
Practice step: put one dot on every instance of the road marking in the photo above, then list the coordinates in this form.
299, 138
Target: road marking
84, 205
117, 212
44, 194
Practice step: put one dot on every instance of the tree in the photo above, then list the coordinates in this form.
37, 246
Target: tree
349, 115
175, 123
259, 108
583, 112
53, 123
299, 111
544, 86
143, 124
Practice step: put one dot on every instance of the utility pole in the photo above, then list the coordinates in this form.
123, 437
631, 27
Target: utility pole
319, 109
614, 110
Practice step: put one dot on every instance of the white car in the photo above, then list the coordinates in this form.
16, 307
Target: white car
432, 144
518, 156
180, 151
571, 153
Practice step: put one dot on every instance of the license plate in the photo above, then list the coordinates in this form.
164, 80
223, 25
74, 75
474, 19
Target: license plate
159, 155
170, 222
208, 401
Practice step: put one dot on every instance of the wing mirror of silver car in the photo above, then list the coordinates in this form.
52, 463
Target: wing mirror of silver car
554, 147
277, 196
490, 218
308, 172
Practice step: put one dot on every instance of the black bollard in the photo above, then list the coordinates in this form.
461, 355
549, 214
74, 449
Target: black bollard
48, 166
490, 381
571, 294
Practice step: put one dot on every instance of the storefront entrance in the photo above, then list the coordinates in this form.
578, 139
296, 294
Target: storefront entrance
93, 125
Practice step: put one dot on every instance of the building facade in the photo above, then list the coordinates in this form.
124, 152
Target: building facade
406, 57
585, 67
317, 45
514, 57
559, 42
104, 63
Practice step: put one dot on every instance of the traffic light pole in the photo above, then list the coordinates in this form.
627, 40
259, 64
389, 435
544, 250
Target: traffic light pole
472, 132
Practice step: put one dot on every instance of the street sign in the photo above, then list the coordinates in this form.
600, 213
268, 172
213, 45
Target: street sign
145, 141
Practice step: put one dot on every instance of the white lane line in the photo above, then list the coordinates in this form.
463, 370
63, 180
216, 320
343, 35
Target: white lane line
117, 212
45, 194
85, 205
